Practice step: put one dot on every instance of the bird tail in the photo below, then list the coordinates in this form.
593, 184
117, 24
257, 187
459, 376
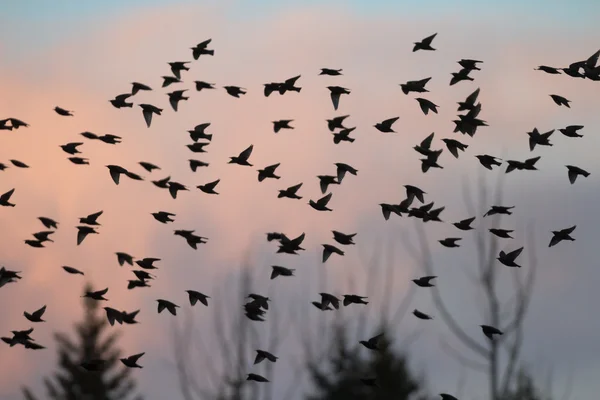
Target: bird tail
210, 52
351, 140
297, 89
208, 137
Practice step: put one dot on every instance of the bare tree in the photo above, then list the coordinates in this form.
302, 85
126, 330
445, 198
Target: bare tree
499, 357
212, 363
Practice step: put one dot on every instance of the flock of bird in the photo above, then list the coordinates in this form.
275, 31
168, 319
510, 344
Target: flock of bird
256, 308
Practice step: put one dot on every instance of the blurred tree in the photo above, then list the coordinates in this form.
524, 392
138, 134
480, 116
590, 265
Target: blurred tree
72, 382
339, 377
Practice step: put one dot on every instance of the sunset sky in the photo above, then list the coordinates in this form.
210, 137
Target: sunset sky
79, 55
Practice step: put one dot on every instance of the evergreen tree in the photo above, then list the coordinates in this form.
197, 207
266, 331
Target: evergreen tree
71, 381
339, 377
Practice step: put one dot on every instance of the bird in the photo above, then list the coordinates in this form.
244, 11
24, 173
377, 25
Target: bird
79, 160
571, 131
547, 69
424, 44
19, 164
147, 263
574, 172
5, 198
63, 112
97, 295
201, 85
116, 171
354, 299
195, 164
242, 158
34, 243
424, 281
373, 343
454, 145
175, 97
450, 242
539, 139
268, 172
470, 64
343, 136
83, 231
385, 126
148, 110
123, 258
163, 216
162, 183
502, 233
465, 224
48, 223
72, 270
91, 219
235, 91
71, 148
264, 355
175, 187
563, 234
421, 315
120, 101
136, 87
462, 75
290, 192
426, 105
336, 122
343, 239
199, 132
561, 101
328, 250
256, 378
446, 396
321, 204
490, 331
330, 72
325, 181
131, 361
281, 271
178, 66
488, 161
148, 166
169, 80
499, 210
35, 316
509, 259
202, 49
282, 124
171, 307
209, 188
342, 169
469, 102
413, 192
195, 296
335, 93
415, 86
198, 147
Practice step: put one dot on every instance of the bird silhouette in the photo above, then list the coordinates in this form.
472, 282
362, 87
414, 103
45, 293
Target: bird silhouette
424, 44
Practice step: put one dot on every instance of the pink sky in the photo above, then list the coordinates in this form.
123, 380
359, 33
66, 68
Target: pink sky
83, 73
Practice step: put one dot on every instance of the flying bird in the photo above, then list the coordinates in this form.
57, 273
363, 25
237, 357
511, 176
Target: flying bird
424, 281
321, 204
120, 101
171, 307
195, 296
421, 315
264, 355
5, 198
282, 124
335, 93
178, 66
281, 271
235, 91
63, 112
72, 270
574, 172
83, 231
490, 331
175, 97
136, 87
385, 126
563, 234
209, 188
71, 148
328, 250
131, 361
268, 172
560, 101
35, 316
290, 192
424, 44
330, 72
202, 49
426, 105
242, 158
509, 259
148, 110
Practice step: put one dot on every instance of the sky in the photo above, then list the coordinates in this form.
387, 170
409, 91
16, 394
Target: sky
78, 55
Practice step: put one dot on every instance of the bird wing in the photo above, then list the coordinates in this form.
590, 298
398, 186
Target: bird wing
259, 357
555, 240
514, 254
135, 357
326, 253
38, 314
174, 100
147, 117
570, 230
81, 234
572, 176
161, 306
335, 98
324, 200
102, 292
6, 196
115, 175
427, 41
389, 122
244, 155
295, 188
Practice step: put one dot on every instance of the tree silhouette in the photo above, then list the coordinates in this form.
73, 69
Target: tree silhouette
339, 377
71, 381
